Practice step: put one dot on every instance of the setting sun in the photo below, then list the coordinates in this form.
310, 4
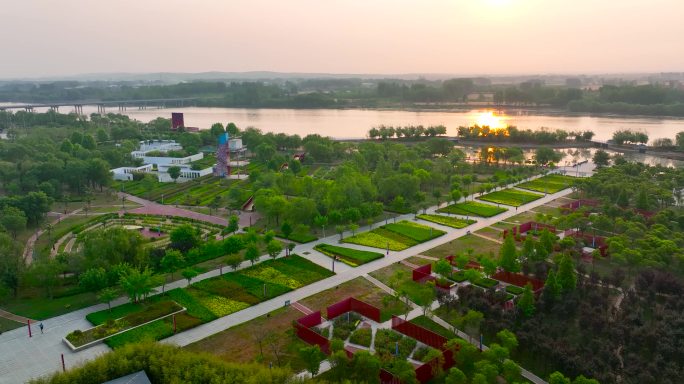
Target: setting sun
489, 119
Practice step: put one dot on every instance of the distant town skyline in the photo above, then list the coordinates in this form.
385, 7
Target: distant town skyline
45, 38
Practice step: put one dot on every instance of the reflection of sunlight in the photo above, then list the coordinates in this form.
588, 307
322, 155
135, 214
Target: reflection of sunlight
489, 119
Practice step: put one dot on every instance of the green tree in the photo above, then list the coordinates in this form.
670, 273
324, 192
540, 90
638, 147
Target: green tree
510, 370
507, 339
137, 283
546, 155
312, 357
480, 378
106, 296
547, 239
558, 378
233, 261
45, 274
233, 224
488, 266
286, 229
583, 380
174, 172
273, 248
508, 255
526, 301
601, 158
528, 248
551, 286
13, 219
252, 253
443, 268
365, 368
184, 237
233, 245
486, 368
567, 276
93, 279
321, 221
189, 274
456, 376
172, 261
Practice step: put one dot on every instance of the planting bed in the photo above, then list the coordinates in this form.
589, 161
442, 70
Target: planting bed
512, 197
473, 208
220, 296
514, 289
549, 183
453, 222
396, 236
135, 315
352, 257
386, 344
362, 337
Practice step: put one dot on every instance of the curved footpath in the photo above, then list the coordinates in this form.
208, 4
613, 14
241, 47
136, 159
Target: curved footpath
23, 358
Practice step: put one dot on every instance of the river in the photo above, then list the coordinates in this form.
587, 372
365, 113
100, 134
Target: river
355, 123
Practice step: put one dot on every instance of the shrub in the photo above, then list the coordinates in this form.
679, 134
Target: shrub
362, 337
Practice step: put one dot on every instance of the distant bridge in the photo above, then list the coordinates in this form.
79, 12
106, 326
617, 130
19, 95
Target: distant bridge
102, 105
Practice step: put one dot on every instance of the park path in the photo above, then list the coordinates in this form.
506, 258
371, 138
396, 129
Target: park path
23, 358
31, 242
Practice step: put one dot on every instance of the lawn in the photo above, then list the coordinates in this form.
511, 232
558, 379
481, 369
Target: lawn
512, 197
472, 208
301, 238
549, 183
396, 236
8, 325
460, 245
201, 191
352, 257
449, 221
254, 341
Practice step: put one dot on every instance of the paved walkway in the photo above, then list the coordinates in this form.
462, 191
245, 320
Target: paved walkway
22, 358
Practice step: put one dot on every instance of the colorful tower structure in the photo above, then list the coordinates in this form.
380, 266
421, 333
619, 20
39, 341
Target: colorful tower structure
222, 168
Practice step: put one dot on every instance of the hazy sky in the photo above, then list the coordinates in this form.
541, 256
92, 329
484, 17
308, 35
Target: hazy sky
49, 37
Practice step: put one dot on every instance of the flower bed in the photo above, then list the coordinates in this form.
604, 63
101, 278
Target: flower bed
549, 183
221, 306
453, 222
377, 240
512, 197
472, 208
352, 257
362, 337
458, 276
396, 236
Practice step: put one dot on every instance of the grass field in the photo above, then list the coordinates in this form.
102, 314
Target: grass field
512, 197
460, 245
472, 208
201, 191
352, 257
453, 222
549, 183
396, 236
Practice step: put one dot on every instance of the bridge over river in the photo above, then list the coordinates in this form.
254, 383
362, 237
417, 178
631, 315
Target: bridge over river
102, 105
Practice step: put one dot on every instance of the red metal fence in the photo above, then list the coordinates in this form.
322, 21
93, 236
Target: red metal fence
525, 227
580, 203
352, 304
518, 279
303, 327
422, 273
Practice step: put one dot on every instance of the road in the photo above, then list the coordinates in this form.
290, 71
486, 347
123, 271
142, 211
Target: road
23, 358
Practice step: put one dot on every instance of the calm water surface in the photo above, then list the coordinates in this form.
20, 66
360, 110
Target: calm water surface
355, 123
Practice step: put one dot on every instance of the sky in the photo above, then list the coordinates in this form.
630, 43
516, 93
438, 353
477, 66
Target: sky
467, 37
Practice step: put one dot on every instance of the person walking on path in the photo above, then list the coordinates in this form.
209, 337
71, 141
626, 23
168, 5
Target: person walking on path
41, 327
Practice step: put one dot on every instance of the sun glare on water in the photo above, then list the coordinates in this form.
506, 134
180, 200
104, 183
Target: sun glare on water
490, 120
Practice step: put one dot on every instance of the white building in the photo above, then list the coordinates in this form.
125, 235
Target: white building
126, 173
156, 146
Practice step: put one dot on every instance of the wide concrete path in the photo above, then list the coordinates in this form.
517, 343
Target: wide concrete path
23, 358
